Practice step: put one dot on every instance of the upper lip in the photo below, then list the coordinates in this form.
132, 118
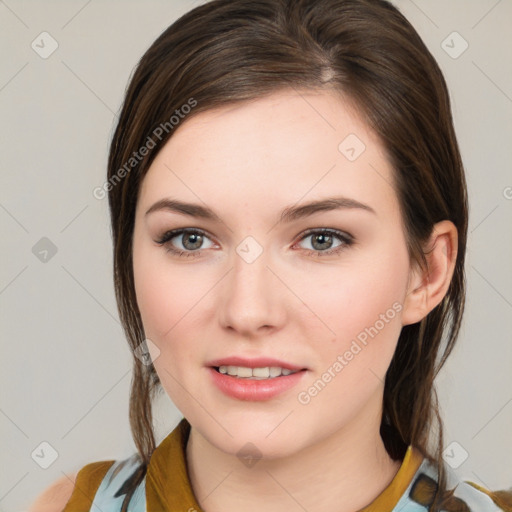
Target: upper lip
257, 362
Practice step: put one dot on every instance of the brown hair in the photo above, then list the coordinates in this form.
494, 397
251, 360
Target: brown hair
229, 51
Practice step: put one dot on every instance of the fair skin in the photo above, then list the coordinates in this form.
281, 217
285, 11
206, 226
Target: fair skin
248, 163
55, 497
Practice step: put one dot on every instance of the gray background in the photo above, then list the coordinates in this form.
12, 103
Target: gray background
65, 365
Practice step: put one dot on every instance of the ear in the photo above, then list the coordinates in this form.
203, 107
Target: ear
427, 287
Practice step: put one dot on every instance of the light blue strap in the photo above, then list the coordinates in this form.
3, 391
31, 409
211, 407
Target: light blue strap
118, 473
477, 499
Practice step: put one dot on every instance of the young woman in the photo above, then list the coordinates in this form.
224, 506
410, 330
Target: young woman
289, 219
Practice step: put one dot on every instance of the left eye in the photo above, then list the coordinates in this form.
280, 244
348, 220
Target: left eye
322, 238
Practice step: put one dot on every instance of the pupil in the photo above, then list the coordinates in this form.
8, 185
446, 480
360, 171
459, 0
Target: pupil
196, 244
323, 239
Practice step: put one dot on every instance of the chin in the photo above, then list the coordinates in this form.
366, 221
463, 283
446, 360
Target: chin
261, 447
262, 435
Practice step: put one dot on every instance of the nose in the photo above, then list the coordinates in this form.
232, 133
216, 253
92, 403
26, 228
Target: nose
252, 298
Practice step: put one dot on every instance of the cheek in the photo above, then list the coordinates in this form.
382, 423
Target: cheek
165, 304
166, 293
352, 298
158, 305
361, 305
153, 298
171, 299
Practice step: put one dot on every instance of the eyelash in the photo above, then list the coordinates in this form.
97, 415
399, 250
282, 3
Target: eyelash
346, 238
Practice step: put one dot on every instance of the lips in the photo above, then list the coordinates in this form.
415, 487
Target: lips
241, 387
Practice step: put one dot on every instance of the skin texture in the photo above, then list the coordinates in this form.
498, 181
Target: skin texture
247, 163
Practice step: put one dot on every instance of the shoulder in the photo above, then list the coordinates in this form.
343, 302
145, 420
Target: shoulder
55, 497
461, 494
501, 498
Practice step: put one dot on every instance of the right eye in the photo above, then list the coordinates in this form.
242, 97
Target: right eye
190, 239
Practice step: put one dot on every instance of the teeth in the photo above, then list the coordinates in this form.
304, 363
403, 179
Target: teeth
255, 373
260, 372
275, 371
232, 370
241, 371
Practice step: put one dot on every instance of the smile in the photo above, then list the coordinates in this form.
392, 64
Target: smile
244, 372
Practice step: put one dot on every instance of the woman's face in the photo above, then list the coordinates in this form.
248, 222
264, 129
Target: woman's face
259, 283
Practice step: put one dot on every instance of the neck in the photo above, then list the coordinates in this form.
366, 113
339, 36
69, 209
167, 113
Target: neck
344, 471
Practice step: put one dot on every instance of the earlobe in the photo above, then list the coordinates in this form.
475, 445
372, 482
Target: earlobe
427, 287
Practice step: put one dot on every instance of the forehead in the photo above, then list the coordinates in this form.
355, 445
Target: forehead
286, 125
280, 148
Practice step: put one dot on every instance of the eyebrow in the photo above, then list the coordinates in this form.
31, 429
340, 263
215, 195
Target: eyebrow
289, 214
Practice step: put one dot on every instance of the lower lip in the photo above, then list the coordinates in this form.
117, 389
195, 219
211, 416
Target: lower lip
252, 389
